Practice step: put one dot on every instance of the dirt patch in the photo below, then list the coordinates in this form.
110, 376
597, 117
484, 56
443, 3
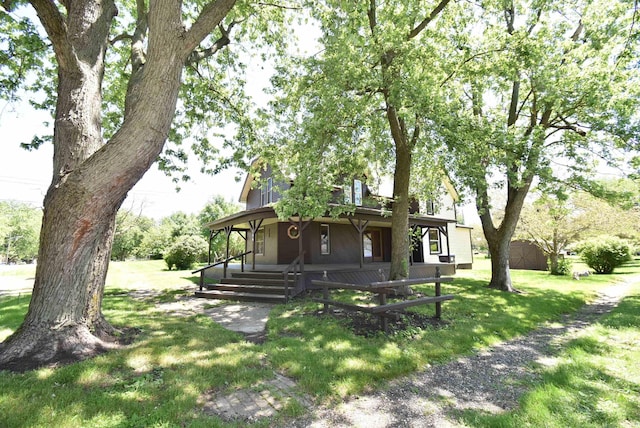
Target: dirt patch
367, 325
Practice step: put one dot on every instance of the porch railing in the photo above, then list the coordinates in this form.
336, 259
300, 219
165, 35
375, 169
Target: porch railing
297, 268
226, 261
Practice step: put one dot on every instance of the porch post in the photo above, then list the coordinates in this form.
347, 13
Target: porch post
360, 228
227, 230
254, 225
301, 227
209, 253
446, 234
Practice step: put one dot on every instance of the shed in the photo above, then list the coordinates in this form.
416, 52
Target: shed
525, 255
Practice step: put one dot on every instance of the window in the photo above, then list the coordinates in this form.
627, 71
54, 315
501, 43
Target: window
348, 198
431, 207
357, 192
266, 192
325, 244
260, 241
263, 196
434, 241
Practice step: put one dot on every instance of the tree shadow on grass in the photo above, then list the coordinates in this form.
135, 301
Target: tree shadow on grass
156, 380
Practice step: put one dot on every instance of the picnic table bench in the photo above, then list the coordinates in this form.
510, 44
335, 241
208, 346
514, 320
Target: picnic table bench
384, 310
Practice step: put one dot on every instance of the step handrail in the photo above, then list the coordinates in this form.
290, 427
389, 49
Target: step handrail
226, 264
295, 267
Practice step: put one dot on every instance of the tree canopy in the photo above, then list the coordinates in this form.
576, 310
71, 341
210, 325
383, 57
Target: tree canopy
116, 96
544, 90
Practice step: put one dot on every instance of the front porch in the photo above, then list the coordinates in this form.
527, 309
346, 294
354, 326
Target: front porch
351, 273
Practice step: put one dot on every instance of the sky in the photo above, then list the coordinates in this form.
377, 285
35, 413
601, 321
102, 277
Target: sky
25, 176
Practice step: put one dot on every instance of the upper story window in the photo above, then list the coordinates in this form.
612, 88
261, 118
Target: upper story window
266, 192
431, 207
353, 194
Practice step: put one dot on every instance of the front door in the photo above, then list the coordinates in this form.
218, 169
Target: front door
373, 245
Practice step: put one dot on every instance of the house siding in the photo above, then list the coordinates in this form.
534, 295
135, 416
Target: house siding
344, 246
270, 255
253, 197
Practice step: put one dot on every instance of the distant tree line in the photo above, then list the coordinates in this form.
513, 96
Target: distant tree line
136, 237
19, 232
141, 237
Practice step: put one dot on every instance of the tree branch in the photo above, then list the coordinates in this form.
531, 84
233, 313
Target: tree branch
210, 17
137, 41
120, 38
471, 58
371, 14
434, 13
56, 29
198, 55
279, 6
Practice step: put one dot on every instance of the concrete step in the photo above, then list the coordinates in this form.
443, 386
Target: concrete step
247, 297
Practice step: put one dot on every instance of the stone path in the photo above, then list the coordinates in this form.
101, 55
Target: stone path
265, 399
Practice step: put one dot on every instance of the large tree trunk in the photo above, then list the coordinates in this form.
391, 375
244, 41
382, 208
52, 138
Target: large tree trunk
500, 271
91, 180
400, 216
499, 239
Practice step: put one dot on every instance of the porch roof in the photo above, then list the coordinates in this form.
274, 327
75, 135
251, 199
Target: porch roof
376, 217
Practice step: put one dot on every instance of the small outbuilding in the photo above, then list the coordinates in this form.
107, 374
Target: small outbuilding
527, 256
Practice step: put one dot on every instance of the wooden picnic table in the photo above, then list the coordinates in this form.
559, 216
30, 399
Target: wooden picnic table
384, 310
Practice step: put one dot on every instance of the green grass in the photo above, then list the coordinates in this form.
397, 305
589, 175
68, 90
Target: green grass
158, 379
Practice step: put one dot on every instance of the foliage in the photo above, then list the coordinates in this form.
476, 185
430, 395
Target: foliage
19, 231
185, 252
604, 254
19, 54
541, 94
130, 232
215, 209
562, 267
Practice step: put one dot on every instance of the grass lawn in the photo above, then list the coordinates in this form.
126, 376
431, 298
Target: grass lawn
158, 380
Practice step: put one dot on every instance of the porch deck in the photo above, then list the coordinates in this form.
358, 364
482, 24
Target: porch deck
351, 273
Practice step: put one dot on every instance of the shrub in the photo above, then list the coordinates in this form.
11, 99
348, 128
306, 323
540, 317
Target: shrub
605, 254
562, 268
185, 252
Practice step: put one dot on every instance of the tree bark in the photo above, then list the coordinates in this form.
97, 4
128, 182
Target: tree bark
499, 239
91, 179
400, 215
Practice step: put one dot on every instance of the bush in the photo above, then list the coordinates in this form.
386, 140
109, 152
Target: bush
563, 267
605, 254
185, 252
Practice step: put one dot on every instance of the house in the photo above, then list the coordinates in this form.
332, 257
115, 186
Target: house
352, 247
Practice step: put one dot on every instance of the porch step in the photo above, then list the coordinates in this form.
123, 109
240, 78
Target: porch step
261, 275
267, 282
250, 286
247, 288
247, 297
